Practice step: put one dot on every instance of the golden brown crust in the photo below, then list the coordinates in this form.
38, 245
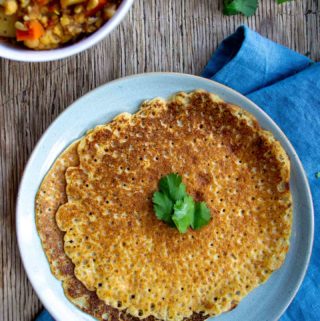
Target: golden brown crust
51, 194
135, 262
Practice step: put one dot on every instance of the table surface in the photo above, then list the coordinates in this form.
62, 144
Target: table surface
166, 35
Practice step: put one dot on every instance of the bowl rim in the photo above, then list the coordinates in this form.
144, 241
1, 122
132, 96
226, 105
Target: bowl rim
27, 55
37, 147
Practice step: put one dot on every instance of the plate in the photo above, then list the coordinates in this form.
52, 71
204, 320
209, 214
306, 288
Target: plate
267, 302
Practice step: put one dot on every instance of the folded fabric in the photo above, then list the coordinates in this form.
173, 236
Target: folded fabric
44, 316
286, 85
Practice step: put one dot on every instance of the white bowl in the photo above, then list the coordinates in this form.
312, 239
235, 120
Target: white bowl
14, 52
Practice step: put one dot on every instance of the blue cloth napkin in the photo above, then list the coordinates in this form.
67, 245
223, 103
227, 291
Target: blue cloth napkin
287, 86
44, 316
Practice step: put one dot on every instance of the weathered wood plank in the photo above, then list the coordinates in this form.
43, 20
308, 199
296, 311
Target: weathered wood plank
167, 35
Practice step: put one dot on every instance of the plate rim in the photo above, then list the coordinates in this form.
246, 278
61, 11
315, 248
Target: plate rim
235, 93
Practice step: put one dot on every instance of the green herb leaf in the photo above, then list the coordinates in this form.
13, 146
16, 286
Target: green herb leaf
318, 175
163, 206
246, 7
201, 215
173, 206
282, 1
183, 213
172, 185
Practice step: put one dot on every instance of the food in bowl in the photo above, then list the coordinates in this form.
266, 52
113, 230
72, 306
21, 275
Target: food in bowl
49, 24
117, 260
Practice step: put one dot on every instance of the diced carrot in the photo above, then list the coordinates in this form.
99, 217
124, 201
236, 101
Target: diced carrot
101, 4
35, 31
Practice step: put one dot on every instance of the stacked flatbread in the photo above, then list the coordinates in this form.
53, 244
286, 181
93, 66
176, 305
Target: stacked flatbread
117, 261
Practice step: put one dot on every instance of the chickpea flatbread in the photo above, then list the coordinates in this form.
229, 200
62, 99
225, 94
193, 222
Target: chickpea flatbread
138, 264
51, 194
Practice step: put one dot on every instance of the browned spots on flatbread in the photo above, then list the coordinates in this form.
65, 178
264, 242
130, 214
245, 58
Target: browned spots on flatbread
51, 194
136, 263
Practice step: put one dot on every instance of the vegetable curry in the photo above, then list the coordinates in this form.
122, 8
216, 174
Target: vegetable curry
48, 24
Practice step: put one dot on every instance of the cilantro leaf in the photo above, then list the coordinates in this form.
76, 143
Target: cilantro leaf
176, 208
318, 175
202, 215
172, 185
183, 213
163, 206
282, 1
246, 7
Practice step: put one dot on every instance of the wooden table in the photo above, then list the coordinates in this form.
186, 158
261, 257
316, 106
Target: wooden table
165, 35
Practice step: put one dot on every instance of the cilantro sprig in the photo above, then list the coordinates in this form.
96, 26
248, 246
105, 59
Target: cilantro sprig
175, 207
246, 7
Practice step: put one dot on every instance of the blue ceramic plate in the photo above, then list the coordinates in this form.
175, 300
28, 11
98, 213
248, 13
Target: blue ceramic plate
267, 302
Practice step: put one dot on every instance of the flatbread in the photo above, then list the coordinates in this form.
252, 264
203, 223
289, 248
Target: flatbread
138, 264
51, 194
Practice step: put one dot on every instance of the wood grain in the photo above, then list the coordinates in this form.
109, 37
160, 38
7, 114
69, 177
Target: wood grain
166, 35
